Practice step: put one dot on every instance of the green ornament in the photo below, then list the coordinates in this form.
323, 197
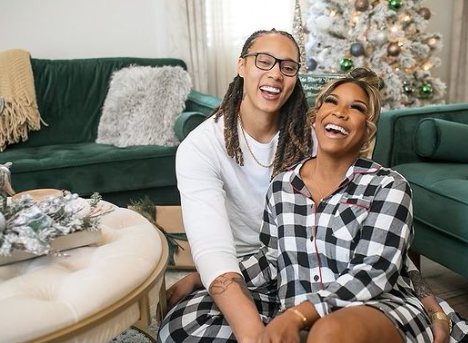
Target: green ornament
346, 64
425, 90
395, 4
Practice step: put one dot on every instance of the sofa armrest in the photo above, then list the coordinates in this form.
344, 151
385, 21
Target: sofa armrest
186, 122
200, 102
397, 128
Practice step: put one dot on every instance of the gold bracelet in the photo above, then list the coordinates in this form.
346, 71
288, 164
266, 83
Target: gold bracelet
299, 314
442, 316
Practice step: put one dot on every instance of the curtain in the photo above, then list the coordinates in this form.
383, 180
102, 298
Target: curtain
228, 24
208, 34
458, 82
196, 27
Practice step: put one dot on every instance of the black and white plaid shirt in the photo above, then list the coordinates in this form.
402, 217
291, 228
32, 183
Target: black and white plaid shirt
350, 249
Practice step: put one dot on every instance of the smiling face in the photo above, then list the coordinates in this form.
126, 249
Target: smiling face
341, 121
267, 90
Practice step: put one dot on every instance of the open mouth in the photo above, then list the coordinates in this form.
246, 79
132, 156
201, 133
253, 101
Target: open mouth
270, 90
336, 129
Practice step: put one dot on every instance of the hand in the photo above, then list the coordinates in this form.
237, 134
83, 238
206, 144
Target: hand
441, 331
284, 328
182, 288
254, 335
440, 328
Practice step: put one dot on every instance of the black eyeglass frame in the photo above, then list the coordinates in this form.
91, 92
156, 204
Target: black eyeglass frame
277, 60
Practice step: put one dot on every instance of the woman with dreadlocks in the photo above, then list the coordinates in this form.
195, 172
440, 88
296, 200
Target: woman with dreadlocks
224, 168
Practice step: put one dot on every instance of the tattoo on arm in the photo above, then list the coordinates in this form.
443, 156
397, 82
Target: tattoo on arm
421, 288
221, 283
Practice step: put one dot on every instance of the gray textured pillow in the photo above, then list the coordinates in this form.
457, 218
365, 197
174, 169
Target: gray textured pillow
443, 140
142, 105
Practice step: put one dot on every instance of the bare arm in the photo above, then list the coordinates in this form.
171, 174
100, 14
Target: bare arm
234, 300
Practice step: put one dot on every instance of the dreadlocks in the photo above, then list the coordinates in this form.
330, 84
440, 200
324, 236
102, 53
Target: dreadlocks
294, 141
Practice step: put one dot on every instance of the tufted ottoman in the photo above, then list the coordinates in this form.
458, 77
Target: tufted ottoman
92, 294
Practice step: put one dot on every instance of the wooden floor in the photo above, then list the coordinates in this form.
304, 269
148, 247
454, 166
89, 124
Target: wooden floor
446, 284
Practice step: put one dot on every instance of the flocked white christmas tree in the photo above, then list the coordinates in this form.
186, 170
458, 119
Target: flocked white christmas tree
387, 36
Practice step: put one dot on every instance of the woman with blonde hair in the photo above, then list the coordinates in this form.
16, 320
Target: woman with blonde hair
336, 232
224, 168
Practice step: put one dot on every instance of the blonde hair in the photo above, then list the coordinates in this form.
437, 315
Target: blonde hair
370, 83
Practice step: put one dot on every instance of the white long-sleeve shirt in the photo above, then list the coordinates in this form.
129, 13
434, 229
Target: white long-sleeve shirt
222, 202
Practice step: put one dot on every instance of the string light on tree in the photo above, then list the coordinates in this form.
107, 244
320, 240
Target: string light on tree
433, 42
388, 36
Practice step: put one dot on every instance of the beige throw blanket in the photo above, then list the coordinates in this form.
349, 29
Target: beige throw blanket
18, 108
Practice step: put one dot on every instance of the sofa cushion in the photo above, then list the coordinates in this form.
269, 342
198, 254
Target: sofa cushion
88, 167
440, 195
440, 139
142, 105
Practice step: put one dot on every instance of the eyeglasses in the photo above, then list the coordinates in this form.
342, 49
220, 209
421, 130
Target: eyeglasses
266, 61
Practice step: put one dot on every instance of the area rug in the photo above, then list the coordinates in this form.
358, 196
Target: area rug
135, 336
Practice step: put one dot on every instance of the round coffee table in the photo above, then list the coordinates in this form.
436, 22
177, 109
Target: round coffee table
91, 294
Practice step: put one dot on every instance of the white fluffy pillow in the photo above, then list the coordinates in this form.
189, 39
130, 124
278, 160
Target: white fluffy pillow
142, 105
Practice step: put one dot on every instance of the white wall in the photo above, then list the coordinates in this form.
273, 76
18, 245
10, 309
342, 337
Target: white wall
98, 28
87, 28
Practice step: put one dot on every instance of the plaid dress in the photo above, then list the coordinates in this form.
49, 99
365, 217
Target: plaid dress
348, 250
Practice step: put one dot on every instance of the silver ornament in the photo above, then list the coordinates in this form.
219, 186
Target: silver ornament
357, 49
2, 222
381, 37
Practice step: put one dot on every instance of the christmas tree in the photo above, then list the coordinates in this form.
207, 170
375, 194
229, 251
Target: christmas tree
387, 36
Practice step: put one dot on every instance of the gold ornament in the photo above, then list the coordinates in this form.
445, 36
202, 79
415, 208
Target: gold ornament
361, 5
393, 49
425, 13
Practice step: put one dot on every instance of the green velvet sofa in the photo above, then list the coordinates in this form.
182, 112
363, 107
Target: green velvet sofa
64, 155
429, 146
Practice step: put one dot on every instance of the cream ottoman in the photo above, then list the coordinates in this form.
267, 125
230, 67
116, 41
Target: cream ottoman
93, 293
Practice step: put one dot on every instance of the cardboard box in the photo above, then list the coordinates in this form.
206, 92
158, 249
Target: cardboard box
170, 219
